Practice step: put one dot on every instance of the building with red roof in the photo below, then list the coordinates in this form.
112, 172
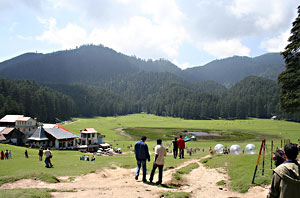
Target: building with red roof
89, 139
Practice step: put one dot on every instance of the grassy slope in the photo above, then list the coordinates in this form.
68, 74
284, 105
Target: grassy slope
105, 125
68, 163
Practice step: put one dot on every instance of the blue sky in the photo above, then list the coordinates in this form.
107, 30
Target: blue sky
188, 33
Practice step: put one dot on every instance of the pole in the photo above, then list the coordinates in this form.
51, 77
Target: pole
262, 143
271, 154
281, 144
264, 151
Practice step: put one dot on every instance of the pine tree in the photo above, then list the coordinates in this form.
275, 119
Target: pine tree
290, 78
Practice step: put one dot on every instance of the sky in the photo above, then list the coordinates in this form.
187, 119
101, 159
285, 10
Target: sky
187, 32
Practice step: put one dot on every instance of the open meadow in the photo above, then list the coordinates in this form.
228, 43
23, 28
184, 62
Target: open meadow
239, 167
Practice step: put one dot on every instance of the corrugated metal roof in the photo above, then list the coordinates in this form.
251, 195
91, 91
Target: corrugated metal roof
58, 126
48, 125
39, 135
11, 118
59, 133
23, 118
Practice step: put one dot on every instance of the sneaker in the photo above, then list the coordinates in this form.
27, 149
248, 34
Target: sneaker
136, 177
144, 180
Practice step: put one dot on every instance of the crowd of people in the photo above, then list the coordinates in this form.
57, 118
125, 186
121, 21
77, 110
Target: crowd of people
285, 178
142, 155
6, 155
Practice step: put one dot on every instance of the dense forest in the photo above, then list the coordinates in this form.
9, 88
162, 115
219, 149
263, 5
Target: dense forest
161, 94
28, 98
168, 95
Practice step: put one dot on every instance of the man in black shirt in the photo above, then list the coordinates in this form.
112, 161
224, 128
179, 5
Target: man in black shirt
175, 147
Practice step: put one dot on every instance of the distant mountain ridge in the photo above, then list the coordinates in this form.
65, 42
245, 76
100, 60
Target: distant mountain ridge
98, 81
90, 64
231, 70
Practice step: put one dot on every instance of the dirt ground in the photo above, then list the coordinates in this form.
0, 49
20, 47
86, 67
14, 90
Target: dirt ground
201, 182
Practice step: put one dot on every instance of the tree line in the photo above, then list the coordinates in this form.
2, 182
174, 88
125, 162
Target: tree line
28, 98
166, 94
162, 94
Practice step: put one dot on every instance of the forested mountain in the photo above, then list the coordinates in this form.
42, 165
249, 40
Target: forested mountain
252, 97
97, 81
28, 98
91, 64
231, 70
87, 64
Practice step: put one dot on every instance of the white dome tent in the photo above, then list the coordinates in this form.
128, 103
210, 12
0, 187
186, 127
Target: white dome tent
219, 149
235, 149
250, 149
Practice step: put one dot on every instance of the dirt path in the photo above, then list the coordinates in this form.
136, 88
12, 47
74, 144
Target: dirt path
121, 183
122, 132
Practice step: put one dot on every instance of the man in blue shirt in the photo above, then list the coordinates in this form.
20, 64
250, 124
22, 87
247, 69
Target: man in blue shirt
141, 154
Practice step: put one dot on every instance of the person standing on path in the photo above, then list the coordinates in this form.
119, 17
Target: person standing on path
181, 146
175, 147
141, 154
286, 177
159, 161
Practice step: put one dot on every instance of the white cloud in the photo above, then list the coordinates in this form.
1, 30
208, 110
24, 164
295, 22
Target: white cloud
147, 29
267, 15
26, 38
67, 37
226, 48
141, 37
48, 23
155, 28
12, 26
276, 44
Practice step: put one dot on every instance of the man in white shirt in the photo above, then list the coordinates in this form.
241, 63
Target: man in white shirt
159, 160
48, 155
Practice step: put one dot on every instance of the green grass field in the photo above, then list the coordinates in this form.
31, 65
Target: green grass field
239, 167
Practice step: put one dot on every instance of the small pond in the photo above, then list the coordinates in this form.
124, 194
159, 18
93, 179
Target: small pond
205, 135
